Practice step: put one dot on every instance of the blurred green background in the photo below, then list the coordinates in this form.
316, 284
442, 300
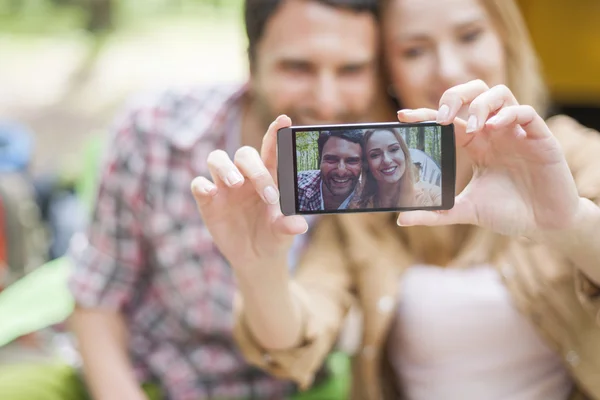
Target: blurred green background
66, 66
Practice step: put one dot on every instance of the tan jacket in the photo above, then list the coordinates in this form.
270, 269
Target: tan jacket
359, 259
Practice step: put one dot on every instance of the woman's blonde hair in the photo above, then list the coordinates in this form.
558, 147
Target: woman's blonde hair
367, 193
524, 71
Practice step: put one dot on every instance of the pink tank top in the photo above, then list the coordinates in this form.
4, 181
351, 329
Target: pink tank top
457, 336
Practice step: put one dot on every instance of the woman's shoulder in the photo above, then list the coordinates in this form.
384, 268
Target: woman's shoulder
581, 146
570, 133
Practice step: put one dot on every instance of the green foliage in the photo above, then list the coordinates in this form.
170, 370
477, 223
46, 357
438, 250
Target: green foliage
71, 16
427, 139
307, 151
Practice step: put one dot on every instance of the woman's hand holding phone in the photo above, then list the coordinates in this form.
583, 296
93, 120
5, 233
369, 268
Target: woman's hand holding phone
241, 208
521, 184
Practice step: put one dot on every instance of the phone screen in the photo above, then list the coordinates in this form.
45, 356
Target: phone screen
378, 167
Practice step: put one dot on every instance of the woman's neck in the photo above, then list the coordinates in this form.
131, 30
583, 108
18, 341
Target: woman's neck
388, 194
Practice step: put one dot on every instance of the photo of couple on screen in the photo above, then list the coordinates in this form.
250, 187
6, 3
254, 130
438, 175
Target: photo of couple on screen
381, 168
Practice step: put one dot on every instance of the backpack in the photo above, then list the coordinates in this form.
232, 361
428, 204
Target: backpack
23, 241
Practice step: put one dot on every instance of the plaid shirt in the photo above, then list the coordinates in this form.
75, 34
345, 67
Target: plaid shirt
148, 254
309, 191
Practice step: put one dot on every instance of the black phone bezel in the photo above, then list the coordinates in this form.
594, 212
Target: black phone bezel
287, 135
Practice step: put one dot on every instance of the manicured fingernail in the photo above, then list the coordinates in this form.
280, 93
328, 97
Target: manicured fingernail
472, 124
210, 189
443, 114
405, 111
206, 189
234, 177
494, 120
271, 195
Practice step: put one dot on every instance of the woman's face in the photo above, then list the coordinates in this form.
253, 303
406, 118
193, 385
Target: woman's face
385, 157
433, 45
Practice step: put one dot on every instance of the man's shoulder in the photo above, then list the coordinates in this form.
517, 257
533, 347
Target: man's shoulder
180, 115
309, 179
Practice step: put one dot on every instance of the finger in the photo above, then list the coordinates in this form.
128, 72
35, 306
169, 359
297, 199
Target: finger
418, 115
526, 121
223, 170
488, 103
463, 212
268, 149
203, 191
455, 98
427, 114
251, 166
292, 225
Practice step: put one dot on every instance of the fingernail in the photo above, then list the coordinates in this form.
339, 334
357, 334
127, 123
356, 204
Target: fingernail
472, 124
210, 189
271, 195
234, 177
494, 120
443, 113
405, 111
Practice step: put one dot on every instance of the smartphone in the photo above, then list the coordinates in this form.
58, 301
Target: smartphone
377, 167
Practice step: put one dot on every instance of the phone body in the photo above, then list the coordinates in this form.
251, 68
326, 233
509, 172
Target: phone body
351, 168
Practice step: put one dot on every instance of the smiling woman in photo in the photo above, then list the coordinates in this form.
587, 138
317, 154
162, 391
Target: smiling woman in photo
387, 171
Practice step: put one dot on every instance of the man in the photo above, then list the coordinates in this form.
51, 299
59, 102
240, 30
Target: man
332, 186
154, 296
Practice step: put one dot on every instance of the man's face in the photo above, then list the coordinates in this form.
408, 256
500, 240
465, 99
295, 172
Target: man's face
341, 163
316, 63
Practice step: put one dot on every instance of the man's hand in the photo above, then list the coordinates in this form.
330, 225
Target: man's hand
241, 206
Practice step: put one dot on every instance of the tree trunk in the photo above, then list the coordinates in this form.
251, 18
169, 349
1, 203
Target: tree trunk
100, 15
421, 139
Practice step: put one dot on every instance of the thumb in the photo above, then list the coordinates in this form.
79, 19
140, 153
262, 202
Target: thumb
291, 225
268, 150
463, 212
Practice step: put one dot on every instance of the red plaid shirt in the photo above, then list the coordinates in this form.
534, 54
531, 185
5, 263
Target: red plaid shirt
309, 191
148, 254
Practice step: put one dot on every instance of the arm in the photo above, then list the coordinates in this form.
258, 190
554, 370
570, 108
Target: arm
102, 339
297, 321
581, 243
290, 329
108, 261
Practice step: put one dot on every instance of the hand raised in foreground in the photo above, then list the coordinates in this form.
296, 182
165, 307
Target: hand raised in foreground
521, 182
240, 207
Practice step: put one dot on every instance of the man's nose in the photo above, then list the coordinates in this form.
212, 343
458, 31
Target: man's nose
327, 100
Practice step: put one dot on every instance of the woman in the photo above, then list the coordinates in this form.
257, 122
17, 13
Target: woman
387, 179
500, 299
